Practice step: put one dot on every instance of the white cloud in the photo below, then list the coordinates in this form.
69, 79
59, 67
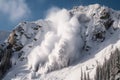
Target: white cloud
15, 9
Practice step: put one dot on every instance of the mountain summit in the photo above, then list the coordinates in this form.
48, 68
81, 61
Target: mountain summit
66, 45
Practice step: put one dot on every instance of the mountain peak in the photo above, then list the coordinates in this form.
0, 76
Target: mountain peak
65, 40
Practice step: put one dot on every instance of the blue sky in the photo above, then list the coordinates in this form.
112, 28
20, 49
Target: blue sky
14, 11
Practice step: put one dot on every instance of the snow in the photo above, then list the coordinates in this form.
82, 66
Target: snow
62, 44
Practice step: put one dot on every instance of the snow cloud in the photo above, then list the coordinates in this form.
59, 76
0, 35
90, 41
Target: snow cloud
60, 45
66, 48
15, 9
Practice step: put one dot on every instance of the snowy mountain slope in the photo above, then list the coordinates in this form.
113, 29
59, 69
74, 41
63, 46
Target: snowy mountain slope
3, 35
65, 43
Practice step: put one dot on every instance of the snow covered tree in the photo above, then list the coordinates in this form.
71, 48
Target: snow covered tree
110, 70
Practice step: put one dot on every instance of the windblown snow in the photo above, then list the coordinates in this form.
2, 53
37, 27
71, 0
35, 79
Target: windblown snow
66, 41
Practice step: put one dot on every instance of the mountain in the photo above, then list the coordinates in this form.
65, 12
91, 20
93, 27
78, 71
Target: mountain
66, 45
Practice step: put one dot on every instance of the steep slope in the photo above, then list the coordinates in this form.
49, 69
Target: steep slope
65, 44
3, 36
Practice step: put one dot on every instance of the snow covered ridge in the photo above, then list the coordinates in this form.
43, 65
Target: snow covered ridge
62, 39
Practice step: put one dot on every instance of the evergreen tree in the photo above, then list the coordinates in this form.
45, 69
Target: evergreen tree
110, 69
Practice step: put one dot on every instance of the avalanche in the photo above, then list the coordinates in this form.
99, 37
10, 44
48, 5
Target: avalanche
64, 44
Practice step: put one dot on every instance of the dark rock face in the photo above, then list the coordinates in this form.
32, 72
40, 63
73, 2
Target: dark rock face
36, 27
98, 36
5, 62
106, 18
105, 14
18, 46
110, 69
1, 52
108, 23
6, 53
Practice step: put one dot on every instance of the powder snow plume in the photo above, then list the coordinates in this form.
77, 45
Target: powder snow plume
60, 45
